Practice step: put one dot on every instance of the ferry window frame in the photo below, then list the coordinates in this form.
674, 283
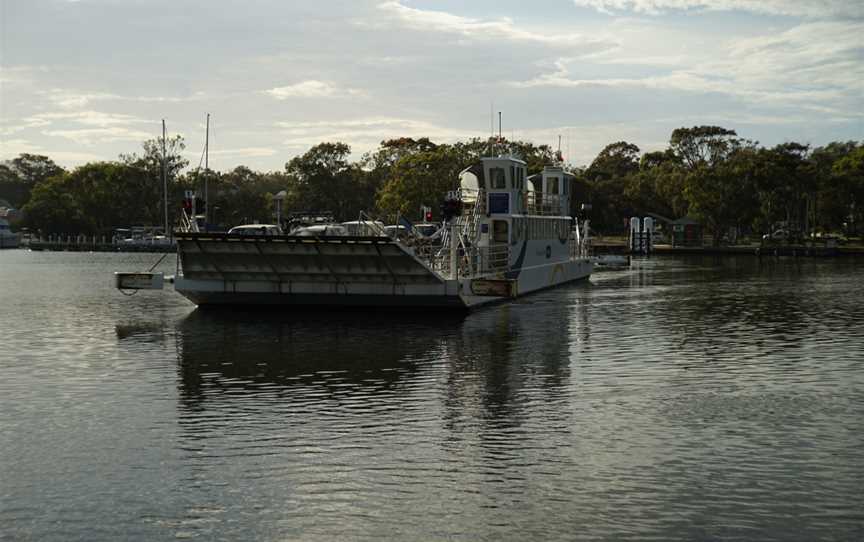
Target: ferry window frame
494, 178
500, 235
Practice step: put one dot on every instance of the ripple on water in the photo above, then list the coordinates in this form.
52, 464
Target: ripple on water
685, 399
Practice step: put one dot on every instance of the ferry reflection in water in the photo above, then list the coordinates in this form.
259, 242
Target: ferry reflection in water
251, 351
486, 356
371, 416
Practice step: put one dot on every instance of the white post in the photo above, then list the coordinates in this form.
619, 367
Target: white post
648, 231
635, 238
454, 251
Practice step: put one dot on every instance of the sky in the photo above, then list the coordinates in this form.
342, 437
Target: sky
86, 80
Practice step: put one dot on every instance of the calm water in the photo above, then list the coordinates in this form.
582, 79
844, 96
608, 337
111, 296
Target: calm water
686, 399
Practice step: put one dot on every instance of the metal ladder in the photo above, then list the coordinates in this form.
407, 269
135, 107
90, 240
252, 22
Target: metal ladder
470, 233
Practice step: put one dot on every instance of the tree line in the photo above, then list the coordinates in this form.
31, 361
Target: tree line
708, 173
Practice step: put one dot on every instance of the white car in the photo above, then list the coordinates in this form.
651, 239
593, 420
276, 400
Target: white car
322, 230
256, 229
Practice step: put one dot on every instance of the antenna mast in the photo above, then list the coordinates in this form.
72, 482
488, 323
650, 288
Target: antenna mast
560, 158
499, 128
491, 128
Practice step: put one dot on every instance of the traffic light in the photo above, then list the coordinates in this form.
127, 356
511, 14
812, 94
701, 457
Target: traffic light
428, 216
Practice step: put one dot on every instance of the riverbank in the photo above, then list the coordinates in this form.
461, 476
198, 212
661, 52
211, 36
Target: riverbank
616, 246
89, 246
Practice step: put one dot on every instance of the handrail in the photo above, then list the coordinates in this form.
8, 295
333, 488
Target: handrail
541, 204
187, 224
371, 223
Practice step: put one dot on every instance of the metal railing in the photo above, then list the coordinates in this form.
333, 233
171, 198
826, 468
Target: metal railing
538, 203
370, 225
187, 223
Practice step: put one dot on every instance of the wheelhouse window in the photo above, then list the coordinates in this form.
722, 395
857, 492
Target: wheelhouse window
552, 185
497, 178
500, 231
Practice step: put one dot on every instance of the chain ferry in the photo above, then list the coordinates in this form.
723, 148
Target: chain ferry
505, 234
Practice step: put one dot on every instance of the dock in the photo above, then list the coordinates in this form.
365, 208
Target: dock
93, 244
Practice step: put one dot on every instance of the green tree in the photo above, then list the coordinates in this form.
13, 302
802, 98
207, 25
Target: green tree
661, 184
835, 192
420, 179
94, 199
785, 185
608, 178
703, 145
239, 197
151, 159
19, 175
851, 169
325, 181
616, 160
722, 195
150, 162
53, 208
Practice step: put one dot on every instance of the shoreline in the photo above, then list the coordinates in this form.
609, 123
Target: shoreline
750, 250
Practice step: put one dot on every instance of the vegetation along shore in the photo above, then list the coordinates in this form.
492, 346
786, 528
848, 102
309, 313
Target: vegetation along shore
733, 186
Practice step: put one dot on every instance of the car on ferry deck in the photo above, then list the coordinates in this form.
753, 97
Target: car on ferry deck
256, 230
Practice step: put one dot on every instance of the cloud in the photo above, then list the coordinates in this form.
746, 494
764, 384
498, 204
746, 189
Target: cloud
249, 152
811, 66
794, 8
311, 89
92, 136
19, 75
87, 118
84, 118
365, 134
73, 99
13, 147
477, 29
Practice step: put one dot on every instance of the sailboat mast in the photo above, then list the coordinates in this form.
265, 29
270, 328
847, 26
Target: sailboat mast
207, 172
168, 233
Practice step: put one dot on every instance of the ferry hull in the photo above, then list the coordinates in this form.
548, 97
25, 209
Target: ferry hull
343, 272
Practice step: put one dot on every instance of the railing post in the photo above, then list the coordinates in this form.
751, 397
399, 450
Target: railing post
454, 251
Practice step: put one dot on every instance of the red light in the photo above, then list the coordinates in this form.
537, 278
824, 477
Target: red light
428, 216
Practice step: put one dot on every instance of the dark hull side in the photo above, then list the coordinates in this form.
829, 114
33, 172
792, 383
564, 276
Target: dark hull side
224, 299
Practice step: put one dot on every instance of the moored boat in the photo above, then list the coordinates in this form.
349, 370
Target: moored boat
505, 234
8, 239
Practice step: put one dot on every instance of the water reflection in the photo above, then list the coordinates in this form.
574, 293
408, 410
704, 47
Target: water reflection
685, 399
245, 350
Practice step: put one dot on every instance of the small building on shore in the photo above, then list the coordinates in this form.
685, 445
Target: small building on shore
686, 232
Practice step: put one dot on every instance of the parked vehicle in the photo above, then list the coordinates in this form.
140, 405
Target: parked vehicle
256, 229
322, 230
778, 235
